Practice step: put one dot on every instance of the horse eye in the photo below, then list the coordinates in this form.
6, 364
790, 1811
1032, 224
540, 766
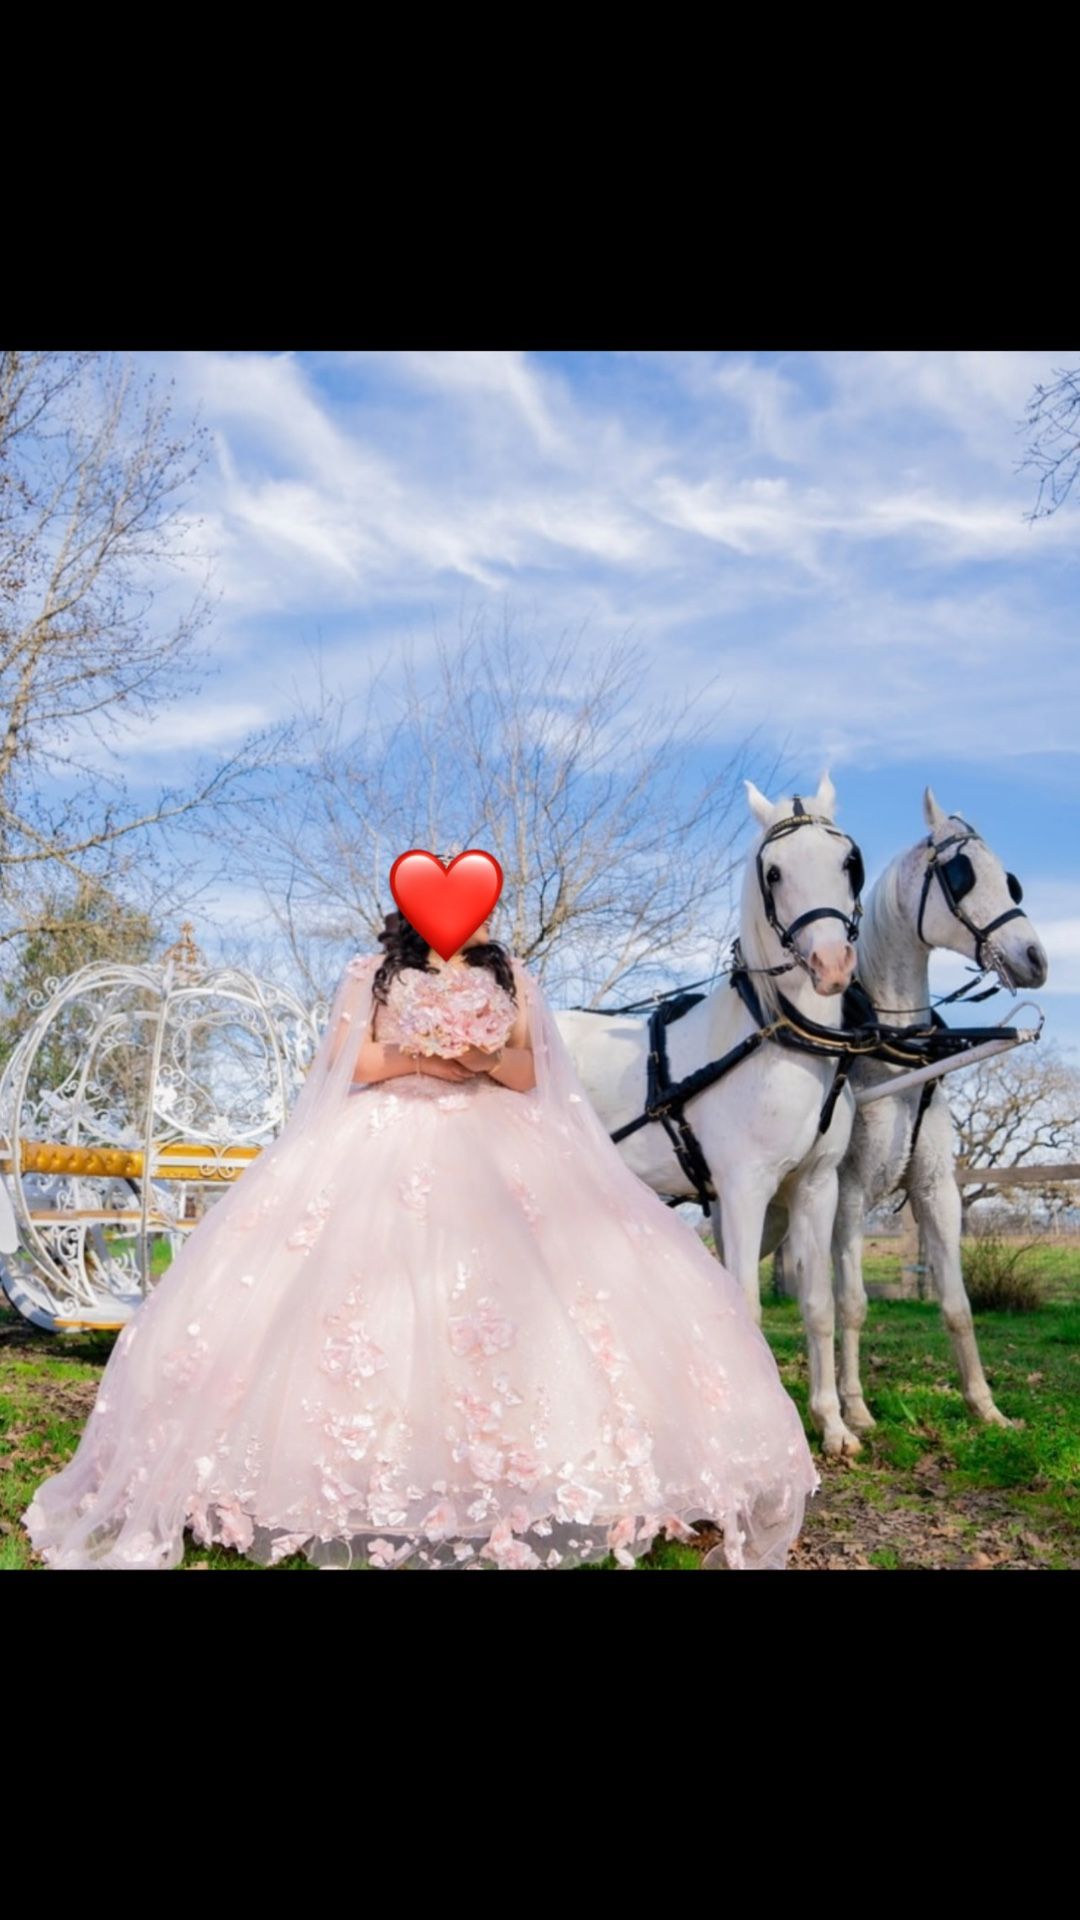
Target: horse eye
773, 876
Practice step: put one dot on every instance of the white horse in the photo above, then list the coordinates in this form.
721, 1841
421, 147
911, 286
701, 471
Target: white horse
759, 1125
949, 890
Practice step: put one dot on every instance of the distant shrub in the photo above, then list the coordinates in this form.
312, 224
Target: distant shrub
1000, 1278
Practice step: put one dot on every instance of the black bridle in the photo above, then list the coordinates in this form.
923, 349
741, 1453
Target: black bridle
786, 935
957, 877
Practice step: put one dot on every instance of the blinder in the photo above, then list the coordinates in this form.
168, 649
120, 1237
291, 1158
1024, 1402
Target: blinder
957, 877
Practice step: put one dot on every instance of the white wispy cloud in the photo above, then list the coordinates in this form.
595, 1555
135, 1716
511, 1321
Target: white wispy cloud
843, 533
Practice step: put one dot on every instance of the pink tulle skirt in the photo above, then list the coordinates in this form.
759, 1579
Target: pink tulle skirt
431, 1345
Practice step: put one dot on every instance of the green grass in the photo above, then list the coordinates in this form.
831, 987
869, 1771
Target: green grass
160, 1256
932, 1486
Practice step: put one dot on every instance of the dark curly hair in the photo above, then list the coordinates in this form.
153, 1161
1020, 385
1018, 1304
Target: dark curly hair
407, 948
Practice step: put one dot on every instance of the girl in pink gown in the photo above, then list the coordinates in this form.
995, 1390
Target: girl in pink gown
438, 1323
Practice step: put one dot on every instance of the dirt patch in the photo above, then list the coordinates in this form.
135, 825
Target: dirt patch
937, 1525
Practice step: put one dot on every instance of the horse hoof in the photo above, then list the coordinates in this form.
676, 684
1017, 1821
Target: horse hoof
857, 1415
840, 1441
992, 1415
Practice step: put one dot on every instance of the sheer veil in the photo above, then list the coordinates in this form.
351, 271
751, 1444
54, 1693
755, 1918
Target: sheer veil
564, 1105
287, 1170
568, 1109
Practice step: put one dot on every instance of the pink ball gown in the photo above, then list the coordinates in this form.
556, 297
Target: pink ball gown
435, 1326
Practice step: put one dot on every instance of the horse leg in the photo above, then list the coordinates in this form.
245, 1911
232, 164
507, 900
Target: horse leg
936, 1207
848, 1235
744, 1218
813, 1210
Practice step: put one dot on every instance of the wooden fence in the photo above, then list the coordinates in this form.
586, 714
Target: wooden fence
914, 1282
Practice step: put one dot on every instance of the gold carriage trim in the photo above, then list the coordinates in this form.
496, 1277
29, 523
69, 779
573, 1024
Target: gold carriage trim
179, 1160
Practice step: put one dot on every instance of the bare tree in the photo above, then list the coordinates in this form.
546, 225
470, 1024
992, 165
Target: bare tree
1053, 420
617, 856
85, 924
1018, 1108
92, 513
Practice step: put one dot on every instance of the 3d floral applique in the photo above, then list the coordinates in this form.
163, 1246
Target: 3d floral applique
524, 1468
352, 1354
142, 1547
351, 1432
635, 1443
711, 1381
524, 1195
315, 1216
414, 1188
287, 1544
506, 1550
576, 1501
463, 1274
481, 1416
236, 1528
244, 1218
482, 1332
385, 1554
619, 1539
183, 1364
386, 1109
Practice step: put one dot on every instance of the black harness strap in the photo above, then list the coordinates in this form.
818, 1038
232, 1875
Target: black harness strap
862, 1034
664, 1100
861, 1031
926, 1094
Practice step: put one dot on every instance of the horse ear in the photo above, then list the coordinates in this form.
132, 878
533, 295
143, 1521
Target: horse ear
826, 796
761, 808
932, 813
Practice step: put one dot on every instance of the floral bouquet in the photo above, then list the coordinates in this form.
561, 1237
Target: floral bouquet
455, 1009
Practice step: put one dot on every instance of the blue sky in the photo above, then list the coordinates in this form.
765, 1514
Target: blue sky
840, 535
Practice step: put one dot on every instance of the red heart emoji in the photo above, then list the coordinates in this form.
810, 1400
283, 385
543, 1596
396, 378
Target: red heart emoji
446, 904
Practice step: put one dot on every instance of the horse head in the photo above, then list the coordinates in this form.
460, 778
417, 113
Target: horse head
801, 895
967, 901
